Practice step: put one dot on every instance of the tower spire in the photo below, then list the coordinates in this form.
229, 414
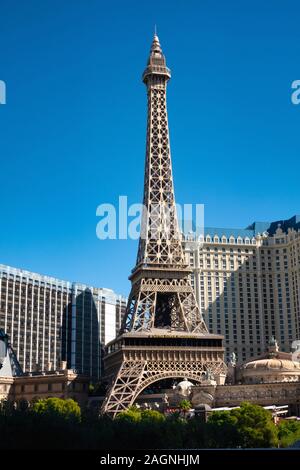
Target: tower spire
156, 62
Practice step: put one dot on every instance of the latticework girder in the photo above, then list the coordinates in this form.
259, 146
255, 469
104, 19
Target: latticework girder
133, 377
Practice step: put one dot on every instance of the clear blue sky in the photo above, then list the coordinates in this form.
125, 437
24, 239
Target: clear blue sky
72, 134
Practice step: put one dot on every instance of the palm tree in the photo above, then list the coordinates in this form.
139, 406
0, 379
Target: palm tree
185, 406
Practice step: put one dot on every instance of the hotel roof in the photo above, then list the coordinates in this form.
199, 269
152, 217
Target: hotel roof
255, 228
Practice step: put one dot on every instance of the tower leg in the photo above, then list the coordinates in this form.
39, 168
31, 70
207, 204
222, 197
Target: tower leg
191, 312
124, 387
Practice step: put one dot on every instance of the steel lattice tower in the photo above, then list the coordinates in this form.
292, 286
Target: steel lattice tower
163, 334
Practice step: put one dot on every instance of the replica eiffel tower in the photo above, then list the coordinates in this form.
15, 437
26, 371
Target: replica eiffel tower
163, 334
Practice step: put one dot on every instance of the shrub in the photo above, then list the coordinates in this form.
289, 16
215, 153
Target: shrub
288, 432
58, 408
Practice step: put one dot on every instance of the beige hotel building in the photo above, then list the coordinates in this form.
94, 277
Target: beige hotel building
247, 284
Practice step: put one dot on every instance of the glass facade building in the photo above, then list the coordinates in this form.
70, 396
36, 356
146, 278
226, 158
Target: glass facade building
49, 321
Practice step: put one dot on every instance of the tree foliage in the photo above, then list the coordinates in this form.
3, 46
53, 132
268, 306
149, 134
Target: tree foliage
57, 424
251, 426
58, 407
132, 415
288, 432
185, 405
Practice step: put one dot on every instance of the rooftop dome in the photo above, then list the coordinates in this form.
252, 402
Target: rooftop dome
273, 364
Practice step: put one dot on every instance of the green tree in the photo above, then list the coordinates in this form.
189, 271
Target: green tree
185, 406
288, 432
252, 424
133, 414
221, 430
152, 416
58, 408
